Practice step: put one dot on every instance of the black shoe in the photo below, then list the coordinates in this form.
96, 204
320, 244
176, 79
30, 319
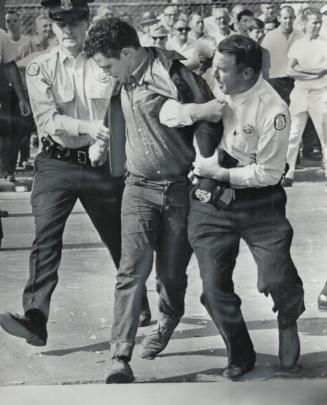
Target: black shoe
322, 299
120, 373
236, 370
158, 339
289, 346
4, 214
145, 316
23, 327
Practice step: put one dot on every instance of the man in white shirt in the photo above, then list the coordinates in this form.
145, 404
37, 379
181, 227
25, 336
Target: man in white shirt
278, 42
256, 128
307, 65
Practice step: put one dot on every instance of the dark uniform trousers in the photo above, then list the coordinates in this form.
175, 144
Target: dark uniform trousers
57, 186
256, 215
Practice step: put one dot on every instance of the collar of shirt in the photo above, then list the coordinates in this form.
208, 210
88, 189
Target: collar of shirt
64, 56
138, 74
242, 97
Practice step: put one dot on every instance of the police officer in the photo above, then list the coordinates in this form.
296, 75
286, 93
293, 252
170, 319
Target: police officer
256, 129
69, 97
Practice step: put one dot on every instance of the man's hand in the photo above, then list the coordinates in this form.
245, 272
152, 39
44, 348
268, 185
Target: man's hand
211, 111
24, 107
96, 130
210, 168
98, 154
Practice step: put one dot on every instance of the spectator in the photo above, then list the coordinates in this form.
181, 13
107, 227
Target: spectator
168, 18
267, 12
104, 11
270, 25
148, 19
159, 35
13, 105
236, 9
278, 42
308, 98
182, 45
219, 24
43, 39
205, 44
256, 30
13, 28
244, 21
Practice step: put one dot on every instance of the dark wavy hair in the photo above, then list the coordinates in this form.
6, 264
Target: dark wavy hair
109, 36
247, 52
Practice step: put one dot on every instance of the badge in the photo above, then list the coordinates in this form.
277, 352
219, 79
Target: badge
249, 130
33, 69
66, 5
280, 122
203, 195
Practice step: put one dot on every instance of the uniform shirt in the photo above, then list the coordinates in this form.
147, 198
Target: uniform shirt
63, 91
277, 45
256, 133
152, 151
8, 51
310, 54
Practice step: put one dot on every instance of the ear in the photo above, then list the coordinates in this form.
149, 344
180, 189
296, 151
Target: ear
278, 18
248, 73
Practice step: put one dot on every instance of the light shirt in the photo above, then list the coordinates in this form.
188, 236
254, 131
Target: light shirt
278, 45
256, 133
63, 91
310, 54
23, 42
189, 50
8, 51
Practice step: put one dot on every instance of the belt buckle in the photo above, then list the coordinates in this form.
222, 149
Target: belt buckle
81, 157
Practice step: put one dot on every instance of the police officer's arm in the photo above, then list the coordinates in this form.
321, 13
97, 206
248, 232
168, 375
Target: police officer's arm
48, 116
270, 161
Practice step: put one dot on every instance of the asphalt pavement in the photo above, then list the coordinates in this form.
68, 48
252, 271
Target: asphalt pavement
71, 368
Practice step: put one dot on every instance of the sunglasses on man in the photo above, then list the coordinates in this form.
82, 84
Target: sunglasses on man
183, 29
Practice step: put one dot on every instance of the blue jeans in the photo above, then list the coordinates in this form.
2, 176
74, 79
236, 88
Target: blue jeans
154, 219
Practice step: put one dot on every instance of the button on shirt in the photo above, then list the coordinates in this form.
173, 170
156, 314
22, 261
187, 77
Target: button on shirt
256, 132
153, 151
64, 90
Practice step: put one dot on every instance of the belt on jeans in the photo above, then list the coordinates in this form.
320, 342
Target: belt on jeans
170, 179
52, 150
252, 192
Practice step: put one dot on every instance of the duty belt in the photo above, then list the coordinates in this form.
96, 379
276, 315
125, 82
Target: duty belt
53, 150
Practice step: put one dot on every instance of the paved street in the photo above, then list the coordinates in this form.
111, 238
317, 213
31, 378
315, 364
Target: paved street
78, 347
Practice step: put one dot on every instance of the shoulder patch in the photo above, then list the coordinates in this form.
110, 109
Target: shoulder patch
33, 69
280, 122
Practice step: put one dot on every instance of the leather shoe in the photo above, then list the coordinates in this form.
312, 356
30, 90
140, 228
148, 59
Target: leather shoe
289, 346
236, 370
287, 182
322, 299
22, 326
120, 373
145, 316
157, 340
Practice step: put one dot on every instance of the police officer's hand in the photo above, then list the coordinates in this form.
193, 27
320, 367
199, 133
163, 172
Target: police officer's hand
98, 154
211, 111
210, 168
95, 129
24, 107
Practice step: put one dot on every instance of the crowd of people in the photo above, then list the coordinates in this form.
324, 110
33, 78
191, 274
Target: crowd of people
176, 138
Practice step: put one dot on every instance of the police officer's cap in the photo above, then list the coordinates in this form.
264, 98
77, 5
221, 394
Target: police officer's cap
66, 10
